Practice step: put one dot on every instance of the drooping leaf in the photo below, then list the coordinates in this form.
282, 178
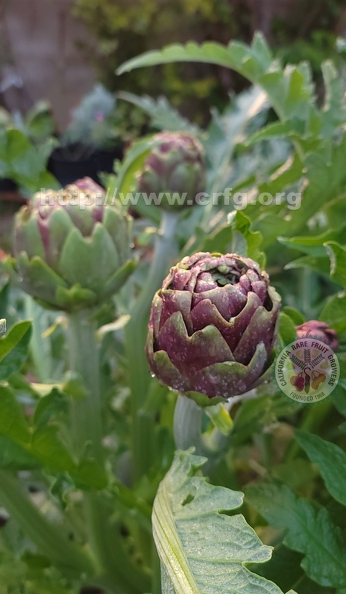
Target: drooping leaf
289, 89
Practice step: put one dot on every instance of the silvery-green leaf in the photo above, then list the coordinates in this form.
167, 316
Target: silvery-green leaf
202, 550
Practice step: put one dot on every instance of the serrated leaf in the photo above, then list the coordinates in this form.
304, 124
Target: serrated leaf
44, 444
330, 460
290, 90
309, 531
204, 551
163, 115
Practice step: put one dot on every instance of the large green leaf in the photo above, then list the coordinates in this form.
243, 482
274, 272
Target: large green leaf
289, 90
331, 462
203, 551
310, 531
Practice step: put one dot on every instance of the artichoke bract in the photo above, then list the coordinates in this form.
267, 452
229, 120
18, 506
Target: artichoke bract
213, 326
174, 169
72, 250
319, 331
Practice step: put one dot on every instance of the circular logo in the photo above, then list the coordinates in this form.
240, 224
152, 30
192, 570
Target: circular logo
307, 370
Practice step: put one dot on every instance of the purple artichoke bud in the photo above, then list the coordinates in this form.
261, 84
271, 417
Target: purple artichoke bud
319, 331
87, 184
72, 249
175, 169
213, 326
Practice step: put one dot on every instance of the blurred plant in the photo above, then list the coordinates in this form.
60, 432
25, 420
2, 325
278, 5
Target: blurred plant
26, 143
38, 123
92, 122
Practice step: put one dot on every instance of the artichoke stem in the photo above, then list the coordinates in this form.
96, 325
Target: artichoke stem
143, 448
85, 411
188, 425
87, 433
188, 417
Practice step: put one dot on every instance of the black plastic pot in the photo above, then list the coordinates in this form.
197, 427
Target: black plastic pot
68, 164
7, 185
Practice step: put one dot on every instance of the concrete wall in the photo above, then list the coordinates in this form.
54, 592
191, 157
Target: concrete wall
41, 39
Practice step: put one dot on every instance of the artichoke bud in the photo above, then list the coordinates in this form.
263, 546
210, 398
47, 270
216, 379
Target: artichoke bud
174, 170
319, 331
213, 327
72, 250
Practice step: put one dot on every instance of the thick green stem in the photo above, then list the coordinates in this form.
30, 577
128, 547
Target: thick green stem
71, 560
188, 432
86, 420
84, 360
188, 425
143, 447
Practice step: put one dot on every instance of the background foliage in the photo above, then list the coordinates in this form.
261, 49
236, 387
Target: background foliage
298, 30
289, 459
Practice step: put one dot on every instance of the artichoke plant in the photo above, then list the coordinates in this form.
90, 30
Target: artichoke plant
72, 250
319, 331
213, 326
175, 168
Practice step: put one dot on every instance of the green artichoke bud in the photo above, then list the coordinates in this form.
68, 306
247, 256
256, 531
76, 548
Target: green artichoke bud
175, 169
319, 331
213, 326
72, 250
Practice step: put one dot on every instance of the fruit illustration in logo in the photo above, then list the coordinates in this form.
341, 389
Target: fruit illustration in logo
298, 381
318, 378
